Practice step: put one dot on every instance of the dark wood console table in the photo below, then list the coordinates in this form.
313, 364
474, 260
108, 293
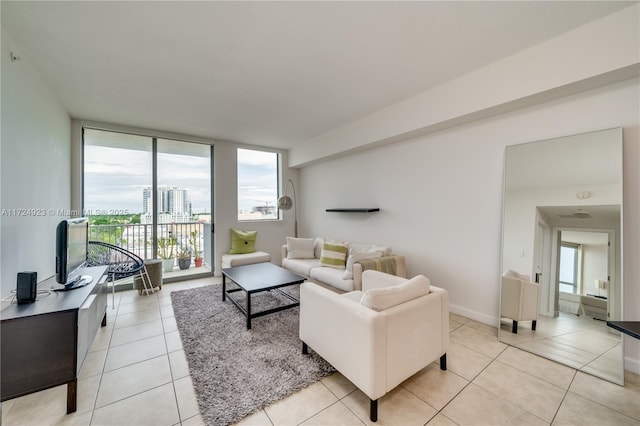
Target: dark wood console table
44, 343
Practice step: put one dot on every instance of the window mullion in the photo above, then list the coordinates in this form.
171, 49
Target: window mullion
154, 197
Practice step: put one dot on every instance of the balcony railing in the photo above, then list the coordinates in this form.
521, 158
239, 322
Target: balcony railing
138, 238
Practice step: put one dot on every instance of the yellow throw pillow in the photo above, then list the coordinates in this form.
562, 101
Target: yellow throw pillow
243, 241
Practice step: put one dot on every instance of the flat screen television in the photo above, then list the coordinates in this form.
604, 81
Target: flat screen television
72, 239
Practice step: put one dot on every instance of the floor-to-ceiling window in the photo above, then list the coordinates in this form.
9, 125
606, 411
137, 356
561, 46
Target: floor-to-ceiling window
184, 203
150, 196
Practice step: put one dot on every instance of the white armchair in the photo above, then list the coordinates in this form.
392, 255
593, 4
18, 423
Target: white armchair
519, 299
380, 336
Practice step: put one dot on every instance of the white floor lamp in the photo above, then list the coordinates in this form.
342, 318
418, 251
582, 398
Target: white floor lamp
285, 203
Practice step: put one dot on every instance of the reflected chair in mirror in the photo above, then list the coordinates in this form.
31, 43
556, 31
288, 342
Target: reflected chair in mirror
519, 299
120, 264
380, 336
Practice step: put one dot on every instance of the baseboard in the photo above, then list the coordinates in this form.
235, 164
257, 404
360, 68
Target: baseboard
474, 315
632, 364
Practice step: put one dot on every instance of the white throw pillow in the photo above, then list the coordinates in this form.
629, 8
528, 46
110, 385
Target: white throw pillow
380, 299
385, 250
318, 247
300, 248
356, 257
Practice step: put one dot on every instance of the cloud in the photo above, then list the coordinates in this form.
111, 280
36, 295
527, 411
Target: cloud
115, 177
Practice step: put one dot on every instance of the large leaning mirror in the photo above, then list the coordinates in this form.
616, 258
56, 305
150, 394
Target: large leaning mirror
561, 251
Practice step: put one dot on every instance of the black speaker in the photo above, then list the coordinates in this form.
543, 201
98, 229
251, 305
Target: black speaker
27, 287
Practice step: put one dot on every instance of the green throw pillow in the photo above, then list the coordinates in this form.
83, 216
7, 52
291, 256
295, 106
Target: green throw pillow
334, 255
243, 241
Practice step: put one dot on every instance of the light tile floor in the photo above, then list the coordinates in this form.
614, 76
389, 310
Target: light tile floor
137, 374
580, 342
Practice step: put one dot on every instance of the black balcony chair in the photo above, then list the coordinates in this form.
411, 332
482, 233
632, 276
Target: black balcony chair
121, 263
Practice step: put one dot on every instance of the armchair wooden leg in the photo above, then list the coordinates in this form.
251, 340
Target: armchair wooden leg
514, 327
373, 410
533, 325
443, 362
305, 349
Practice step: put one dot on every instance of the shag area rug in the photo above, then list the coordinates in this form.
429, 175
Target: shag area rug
236, 371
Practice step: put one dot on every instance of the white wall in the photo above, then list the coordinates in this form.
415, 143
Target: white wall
35, 170
595, 263
440, 196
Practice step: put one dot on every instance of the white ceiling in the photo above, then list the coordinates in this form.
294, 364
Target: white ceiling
599, 216
268, 73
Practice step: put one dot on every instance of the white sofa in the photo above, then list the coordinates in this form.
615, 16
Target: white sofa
584, 305
380, 336
344, 279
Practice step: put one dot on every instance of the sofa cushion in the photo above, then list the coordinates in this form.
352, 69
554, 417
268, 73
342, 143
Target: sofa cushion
300, 248
380, 299
242, 241
231, 260
300, 266
332, 277
334, 255
354, 296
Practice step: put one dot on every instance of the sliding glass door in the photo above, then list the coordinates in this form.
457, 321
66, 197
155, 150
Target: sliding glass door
152, 197
184, 205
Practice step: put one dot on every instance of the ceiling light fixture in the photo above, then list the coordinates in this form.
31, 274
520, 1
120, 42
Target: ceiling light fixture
581, 214
583, 195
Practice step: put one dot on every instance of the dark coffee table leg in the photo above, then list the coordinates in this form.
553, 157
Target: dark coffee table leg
224, 287
248, 311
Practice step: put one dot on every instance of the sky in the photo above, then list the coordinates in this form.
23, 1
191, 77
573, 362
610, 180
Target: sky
257, 178
115, 176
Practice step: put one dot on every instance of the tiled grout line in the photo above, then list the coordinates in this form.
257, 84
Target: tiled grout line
113, 317
339, 400
104, 364
472, 381
146, 390
566, 391
173, 379
494, 359
506, 400
593, 401
575, 373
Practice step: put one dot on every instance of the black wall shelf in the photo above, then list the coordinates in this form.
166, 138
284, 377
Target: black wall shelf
358, 210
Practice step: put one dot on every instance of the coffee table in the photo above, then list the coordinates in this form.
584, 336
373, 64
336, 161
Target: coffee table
256, 278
